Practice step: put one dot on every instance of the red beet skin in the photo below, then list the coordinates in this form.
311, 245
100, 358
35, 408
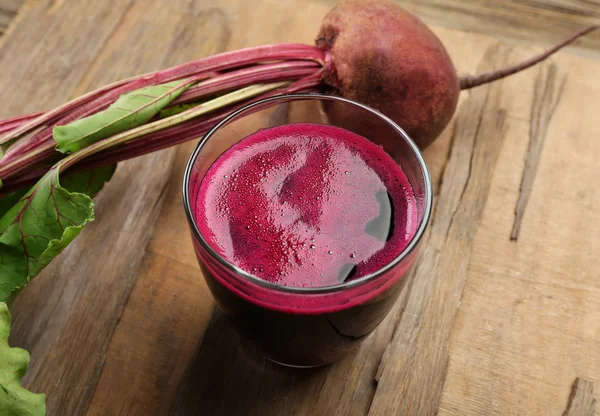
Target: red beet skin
388, 59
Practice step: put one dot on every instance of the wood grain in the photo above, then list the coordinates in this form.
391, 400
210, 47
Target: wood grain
169, 330
539, 22
485, 326
529, 315
170, 304
533, 21
67, 316
581, 401
547, 92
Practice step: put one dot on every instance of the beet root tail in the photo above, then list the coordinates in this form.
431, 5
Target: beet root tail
470, 81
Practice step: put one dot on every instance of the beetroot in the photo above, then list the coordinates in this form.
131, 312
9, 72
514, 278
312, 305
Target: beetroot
385, 57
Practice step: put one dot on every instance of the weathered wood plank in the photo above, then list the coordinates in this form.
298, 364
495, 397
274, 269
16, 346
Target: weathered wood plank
169, 309
68, 314
221, 368
413, 369
170, 305
530, 312
532, 21
154, 341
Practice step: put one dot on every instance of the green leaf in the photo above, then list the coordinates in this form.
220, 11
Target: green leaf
9, 200
43, 222
88, 182
129, 111
15, 400
89, 186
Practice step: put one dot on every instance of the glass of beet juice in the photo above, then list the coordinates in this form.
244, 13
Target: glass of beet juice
305, 231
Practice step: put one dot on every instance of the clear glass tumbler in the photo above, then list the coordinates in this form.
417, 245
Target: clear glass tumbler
305, 327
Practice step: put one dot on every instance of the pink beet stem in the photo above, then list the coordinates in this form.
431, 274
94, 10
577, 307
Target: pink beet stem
238, 79
44, 137
263, 73
470, 81
227, 60
42, 145
53, 114
158, 140
12, 123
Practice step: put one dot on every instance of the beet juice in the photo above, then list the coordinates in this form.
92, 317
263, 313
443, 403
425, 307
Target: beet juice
304, 232
306, 205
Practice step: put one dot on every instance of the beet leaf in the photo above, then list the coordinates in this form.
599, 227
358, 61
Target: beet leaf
9, 200
15, 400
129, 111
43, 222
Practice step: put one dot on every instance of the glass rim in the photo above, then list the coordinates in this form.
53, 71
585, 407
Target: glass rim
319, 289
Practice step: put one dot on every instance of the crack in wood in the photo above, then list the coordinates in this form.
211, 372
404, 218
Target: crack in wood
581, 400
546, 97
440, 181
470, 170
8, 12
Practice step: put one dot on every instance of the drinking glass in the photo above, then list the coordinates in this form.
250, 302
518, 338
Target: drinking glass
308, 326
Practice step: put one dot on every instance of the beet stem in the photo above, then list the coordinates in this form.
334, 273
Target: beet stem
471, 81
262, 73
98, 100
176, 134
12, 123
219, 74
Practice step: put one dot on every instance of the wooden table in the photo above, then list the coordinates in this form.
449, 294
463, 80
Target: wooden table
123, 324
